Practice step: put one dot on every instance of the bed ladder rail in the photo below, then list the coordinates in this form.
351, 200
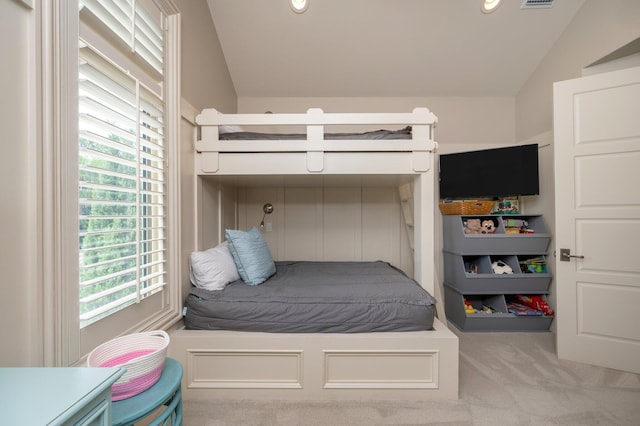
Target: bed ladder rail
406, 201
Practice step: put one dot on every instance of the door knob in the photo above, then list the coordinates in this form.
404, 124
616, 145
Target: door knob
565, 255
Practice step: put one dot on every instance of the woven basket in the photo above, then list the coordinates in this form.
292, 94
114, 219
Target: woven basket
142, 354
450, 207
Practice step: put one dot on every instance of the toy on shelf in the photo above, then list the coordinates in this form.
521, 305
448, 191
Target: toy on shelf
499, 267
477, 226
488, 227
534, 265
522, 310
472, 226
517, 226
506, 205
468, 307
487, 309
528, 305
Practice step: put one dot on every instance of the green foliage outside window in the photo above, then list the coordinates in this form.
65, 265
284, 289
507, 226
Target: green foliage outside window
108, 223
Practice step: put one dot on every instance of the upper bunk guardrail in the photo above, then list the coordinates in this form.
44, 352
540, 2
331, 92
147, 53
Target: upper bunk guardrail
421, 120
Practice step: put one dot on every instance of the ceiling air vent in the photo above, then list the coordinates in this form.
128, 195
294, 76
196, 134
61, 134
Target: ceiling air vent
537, 4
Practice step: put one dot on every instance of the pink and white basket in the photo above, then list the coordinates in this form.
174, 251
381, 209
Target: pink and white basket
142, 354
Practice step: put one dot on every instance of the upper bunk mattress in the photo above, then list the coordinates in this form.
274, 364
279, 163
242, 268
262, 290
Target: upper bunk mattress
404, 133
316, 297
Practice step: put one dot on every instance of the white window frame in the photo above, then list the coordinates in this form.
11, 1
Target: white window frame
57, 89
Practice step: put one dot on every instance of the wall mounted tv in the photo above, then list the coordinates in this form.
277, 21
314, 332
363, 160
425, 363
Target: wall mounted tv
495, 172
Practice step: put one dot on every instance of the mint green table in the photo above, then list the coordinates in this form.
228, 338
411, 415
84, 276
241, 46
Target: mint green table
167, 391
57, 396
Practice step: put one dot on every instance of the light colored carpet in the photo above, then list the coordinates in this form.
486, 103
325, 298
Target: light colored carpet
505, 378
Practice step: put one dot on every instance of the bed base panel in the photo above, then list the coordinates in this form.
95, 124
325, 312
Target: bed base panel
328, 163
417, 365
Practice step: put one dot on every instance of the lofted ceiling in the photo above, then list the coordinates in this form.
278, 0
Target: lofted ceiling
385, 48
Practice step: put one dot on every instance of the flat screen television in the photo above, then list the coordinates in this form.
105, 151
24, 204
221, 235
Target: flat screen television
497, 172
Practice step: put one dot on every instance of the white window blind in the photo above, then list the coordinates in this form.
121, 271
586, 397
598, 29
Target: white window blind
131, 23
122, 159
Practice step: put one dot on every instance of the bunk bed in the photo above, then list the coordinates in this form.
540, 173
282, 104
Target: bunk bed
389, 365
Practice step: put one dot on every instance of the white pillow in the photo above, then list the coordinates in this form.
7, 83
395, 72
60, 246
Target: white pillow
213, 269
229, 129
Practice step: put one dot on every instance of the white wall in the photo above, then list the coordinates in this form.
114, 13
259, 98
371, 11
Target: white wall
206, 81
329, 223
20, 306
599, 28
629, 61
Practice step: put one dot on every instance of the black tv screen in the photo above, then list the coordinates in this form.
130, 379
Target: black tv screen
495, 172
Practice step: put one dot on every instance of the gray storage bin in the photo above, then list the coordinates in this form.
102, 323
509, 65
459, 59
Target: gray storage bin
484, 281
456, 241
501, 320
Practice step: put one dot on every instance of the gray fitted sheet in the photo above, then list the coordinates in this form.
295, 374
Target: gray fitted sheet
404, 133
316, 297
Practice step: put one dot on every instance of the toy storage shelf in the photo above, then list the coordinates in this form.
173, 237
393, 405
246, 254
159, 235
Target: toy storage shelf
483, 281
469, 275
501, 320
456, 241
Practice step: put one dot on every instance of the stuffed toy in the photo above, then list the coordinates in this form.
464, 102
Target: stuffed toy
488, 227
499, 267
472, 226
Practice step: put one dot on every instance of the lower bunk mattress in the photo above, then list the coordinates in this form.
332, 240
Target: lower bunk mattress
316, 297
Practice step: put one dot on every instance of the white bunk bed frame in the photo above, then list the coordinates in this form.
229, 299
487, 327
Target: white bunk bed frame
373, 366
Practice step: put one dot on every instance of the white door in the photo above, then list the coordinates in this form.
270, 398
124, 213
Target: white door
597, 183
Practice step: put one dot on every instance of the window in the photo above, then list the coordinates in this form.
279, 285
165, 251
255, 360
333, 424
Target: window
121, 153
113, 159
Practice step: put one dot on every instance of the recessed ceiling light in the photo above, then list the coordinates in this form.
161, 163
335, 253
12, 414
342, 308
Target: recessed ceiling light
299, 6
489, 6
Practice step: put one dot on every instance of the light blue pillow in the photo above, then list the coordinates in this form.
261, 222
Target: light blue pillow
251, 255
